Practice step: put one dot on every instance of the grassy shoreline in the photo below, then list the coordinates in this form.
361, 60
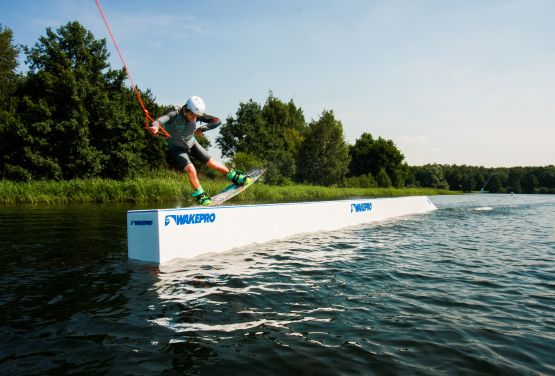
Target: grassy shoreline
170, 188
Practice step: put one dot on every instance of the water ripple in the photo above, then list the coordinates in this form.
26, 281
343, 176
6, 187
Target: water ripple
467, 289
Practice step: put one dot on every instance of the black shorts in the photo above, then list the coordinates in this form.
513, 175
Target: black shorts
181, 154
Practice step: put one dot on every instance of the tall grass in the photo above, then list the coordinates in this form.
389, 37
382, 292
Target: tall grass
168, 187
268, 193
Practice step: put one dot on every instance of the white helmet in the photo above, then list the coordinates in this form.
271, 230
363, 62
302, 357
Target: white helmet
196, 105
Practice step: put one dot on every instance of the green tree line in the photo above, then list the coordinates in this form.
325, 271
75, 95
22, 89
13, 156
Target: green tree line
496, 180
72, 116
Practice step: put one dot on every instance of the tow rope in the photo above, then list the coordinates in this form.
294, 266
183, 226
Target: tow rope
148, 118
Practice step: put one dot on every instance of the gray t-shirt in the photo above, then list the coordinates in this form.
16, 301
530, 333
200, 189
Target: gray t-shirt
181, 130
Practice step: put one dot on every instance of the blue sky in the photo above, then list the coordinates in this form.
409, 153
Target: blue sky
464, 82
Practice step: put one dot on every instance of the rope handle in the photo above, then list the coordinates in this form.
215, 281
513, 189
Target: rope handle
149, 119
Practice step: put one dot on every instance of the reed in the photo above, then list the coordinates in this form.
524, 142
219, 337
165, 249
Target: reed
172, 187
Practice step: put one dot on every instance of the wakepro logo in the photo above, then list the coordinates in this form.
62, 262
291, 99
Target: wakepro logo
141, 223
361, 207
189, 219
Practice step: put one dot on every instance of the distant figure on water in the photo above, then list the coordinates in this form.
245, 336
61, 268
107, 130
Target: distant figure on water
181, 124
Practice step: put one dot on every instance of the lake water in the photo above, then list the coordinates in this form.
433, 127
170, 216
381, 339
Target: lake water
468, 289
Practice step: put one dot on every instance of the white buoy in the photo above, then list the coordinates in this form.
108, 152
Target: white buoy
161, 235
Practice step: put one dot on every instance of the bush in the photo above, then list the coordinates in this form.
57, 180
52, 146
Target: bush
362, 181
16, 173
246, 162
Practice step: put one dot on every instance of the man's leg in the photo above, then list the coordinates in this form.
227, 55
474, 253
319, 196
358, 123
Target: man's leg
198, 194
217, 166
236, 177
192, 174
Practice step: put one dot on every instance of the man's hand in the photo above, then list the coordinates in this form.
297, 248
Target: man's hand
200, 130
154, 128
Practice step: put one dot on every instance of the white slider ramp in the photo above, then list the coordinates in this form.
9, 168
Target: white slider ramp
161, 235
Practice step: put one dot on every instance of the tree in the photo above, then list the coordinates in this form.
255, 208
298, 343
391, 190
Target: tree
468, 181
272, 133
546, 178
371, 156
285, 124
294, 130
453, 176
515, 177
530, 182
8, 64
400, 175
9, 80
78, 120
495, 184
362, 181
324, 153
383, 180
241, 134
430, 175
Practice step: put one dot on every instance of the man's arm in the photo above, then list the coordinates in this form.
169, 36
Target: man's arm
155, 125
211, 123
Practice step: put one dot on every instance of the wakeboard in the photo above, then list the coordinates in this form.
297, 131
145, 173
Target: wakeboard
233, 190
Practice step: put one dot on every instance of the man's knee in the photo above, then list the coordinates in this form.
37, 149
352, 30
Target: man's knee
190, 169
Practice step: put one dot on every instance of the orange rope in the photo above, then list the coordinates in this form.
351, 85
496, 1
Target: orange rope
148, 118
